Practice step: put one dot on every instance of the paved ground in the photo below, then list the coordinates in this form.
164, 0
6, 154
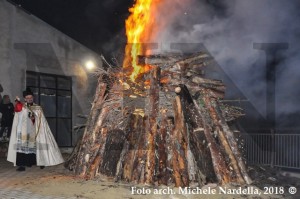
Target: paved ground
32, 184
13, 183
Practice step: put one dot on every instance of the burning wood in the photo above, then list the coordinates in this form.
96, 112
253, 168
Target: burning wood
174, 129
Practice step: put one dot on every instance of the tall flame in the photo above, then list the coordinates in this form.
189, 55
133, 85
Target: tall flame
139, 30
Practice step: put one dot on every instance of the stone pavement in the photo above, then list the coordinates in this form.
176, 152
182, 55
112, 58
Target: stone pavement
23, 185
12, 182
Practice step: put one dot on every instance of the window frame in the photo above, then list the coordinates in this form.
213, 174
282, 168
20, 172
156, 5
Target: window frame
38, 88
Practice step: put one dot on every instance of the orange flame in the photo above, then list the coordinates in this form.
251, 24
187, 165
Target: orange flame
139, 30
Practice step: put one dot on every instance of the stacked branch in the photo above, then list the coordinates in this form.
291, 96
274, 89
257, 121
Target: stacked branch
168, 127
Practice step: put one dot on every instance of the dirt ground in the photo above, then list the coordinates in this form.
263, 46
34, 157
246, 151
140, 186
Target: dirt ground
57, 181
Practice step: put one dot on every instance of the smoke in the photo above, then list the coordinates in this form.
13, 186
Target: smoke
228, 29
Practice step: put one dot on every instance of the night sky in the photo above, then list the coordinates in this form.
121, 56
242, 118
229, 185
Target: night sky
93, 23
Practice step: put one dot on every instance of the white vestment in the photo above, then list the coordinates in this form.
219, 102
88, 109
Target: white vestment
28, 137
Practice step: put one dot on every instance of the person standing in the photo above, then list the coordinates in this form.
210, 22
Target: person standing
31, 142
7, 110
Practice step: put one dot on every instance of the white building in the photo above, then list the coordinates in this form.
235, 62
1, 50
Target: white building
34, 54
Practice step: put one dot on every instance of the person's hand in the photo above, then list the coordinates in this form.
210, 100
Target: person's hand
18, 105
17, 99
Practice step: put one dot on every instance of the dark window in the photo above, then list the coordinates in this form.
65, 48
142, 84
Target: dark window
54, 94
48, 101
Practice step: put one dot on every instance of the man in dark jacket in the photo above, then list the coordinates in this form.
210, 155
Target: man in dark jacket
7, 110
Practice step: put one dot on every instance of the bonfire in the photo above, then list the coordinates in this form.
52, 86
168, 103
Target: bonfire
157, 120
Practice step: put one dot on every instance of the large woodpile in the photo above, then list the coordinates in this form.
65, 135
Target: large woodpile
167, 127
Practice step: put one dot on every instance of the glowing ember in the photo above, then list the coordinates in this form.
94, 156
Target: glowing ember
164, 80
139, 29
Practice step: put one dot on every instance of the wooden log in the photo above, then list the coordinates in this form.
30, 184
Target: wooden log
218, 160
197, 82
89, 149
199, 145
199, 148
218, 89
169, 144
99, 98
196, 57
186, 64
120, 164
218, 128
131, 160
201, 80
135, 158
112, 152
163, 174
155, 60
151, 127
171, 61
96, 153
180, 166
232, 143
96, 162
139, 173
125, 171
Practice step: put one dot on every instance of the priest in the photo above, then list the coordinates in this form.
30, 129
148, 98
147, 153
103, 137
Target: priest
31, 142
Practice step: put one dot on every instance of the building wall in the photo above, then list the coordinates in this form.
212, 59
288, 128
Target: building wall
29, 44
